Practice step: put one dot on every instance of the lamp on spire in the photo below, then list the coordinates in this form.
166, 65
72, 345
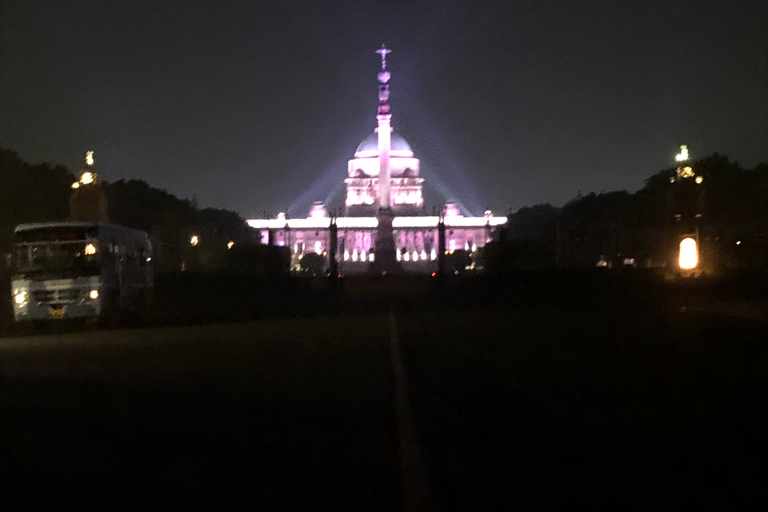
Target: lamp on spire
87, 175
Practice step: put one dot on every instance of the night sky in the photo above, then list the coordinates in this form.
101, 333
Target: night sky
257, 105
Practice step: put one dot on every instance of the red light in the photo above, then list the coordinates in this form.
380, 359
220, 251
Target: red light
434, 274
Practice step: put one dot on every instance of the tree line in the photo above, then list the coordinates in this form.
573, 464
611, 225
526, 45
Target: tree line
40, 192
640, 228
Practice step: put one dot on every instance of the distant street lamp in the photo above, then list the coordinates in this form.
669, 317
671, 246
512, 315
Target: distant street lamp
689, 254
194, 240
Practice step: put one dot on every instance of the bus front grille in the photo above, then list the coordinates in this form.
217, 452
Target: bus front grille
60, 296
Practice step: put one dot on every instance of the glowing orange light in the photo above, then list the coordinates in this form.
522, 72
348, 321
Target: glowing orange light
689, 254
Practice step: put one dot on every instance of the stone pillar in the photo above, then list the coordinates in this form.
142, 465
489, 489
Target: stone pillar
385, 142
332, 249
441, 247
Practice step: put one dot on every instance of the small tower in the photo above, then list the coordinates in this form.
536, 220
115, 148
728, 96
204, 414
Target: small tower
88, 202
686, 205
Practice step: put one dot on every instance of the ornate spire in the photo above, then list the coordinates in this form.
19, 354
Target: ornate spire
383, 51
384, 77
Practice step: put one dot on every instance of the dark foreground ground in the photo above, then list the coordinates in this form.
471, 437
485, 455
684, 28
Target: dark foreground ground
615, 395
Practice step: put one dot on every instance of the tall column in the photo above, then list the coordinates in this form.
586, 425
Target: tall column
384, 116
385, 260
385, 180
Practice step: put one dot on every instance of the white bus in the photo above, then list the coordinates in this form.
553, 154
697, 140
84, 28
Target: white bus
80, 270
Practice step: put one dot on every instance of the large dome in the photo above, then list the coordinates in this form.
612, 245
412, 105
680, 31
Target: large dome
370, 146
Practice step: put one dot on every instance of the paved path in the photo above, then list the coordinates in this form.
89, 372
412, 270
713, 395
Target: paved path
414, 488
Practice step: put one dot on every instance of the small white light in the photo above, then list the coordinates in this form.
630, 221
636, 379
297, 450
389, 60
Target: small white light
194, 240
738, 243
89, 158
94, 294
90, 249
76, 184
230, 244
699, 179
20, 297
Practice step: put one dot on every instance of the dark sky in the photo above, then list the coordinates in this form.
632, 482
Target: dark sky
257, 105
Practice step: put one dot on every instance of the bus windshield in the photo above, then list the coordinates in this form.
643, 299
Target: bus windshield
56, 252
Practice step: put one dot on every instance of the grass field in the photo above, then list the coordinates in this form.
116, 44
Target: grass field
617, 401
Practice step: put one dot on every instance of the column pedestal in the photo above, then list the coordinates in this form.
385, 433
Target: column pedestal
385, 259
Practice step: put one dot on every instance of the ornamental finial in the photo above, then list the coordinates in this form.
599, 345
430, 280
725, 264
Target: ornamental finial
383, 51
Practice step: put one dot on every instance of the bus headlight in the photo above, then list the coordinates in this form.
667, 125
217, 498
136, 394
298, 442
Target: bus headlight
20, 297
94, 294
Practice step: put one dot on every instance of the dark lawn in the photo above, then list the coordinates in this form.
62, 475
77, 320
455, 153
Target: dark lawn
623, 408
281, 414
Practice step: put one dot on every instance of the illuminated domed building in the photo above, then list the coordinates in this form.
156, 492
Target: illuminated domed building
384, 226
362, 184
